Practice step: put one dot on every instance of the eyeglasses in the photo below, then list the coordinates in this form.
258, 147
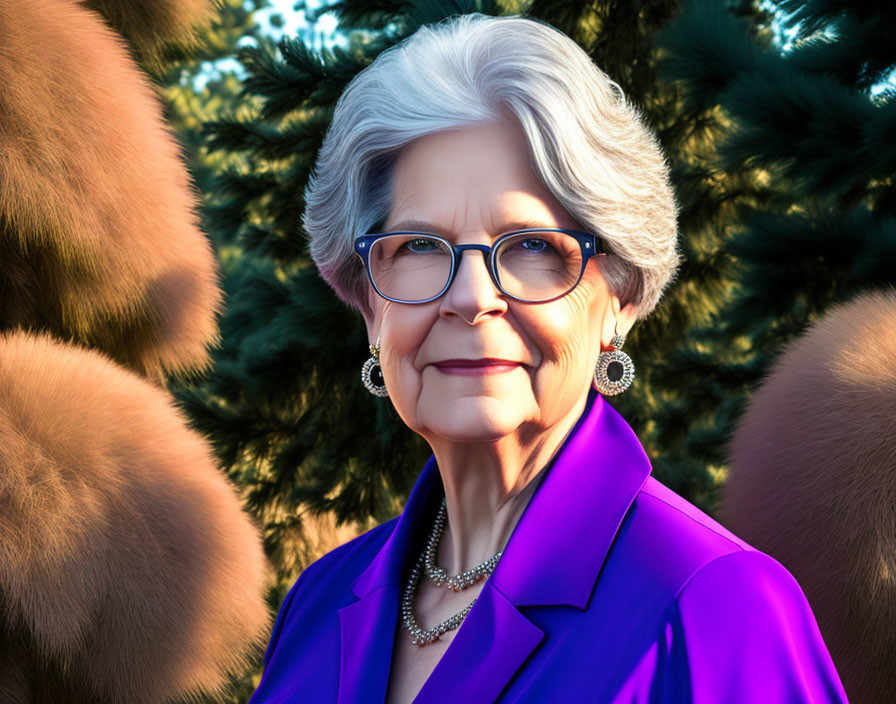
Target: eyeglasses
532, 266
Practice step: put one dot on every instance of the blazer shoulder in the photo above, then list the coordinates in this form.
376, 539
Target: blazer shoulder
734, 618
672, 509
328, 578
667, 540
351, 558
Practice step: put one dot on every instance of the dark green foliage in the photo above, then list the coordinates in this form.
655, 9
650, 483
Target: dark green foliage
826, 137
854, 42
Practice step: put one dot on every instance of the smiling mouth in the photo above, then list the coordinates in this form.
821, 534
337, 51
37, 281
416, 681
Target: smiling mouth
484, 361
471, 367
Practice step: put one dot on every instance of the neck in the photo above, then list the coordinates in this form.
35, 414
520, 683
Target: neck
488, 486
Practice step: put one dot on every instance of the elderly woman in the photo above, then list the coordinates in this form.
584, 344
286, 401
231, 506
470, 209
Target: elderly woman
501, 217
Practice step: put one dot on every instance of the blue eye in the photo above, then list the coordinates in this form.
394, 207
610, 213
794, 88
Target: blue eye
421, 245
535, 245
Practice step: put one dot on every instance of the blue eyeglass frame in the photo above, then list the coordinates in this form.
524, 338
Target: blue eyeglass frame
590, 244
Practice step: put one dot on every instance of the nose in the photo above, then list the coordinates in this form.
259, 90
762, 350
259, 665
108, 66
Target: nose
472, 294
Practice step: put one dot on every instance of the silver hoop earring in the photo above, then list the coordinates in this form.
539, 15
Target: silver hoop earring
615, 370
372, 374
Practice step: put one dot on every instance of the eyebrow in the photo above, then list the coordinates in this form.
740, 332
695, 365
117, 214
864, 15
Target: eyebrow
423, 226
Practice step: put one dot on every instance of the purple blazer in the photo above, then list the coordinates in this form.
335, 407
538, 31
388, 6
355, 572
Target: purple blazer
612, 589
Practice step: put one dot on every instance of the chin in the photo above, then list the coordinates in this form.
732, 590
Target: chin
473, 418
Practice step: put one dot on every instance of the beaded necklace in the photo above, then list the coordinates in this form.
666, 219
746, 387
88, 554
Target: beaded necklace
426, 561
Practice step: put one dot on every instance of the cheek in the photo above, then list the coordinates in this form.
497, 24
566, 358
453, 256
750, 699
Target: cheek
403, 333
568, 330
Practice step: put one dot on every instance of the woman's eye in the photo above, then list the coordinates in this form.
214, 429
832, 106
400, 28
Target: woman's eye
535, 245
421, 245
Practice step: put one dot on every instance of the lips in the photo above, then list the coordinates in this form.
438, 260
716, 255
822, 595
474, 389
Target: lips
483, 362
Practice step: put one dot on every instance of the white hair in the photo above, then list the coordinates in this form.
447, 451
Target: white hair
589, 146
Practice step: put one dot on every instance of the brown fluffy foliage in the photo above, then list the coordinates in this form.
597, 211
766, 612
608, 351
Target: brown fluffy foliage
813, 483
128, 571
99, 236
151, 24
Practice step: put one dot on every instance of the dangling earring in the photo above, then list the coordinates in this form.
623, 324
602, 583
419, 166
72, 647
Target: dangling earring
372, 373
615, 370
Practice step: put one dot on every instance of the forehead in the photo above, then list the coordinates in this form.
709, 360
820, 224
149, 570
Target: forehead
476, 178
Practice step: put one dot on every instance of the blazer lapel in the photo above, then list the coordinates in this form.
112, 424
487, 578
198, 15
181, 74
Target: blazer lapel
562, 539
492, 643
553, 557
367, 633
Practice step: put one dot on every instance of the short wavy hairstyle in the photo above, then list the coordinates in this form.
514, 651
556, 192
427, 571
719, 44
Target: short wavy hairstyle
587, 143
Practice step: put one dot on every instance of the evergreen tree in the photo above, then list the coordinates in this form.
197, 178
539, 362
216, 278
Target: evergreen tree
815, 125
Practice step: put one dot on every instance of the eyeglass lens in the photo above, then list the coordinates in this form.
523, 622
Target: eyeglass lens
532, 266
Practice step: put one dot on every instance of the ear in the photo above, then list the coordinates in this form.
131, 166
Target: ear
369, 323
374, 314
619, 319
625, 318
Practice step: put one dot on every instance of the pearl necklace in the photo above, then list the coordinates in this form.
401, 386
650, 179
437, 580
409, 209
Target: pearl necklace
419, 636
